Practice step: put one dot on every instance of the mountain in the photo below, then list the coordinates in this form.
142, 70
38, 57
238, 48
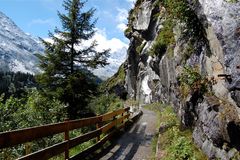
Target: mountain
17, 48
186, 53
17, 51
115, 60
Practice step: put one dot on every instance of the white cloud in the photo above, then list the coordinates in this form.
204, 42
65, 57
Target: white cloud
118, 52
121, 19
122, 15
100, 36
131, 2
122, 27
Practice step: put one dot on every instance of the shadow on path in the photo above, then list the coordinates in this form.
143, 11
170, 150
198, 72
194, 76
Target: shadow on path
129, 149
134, 144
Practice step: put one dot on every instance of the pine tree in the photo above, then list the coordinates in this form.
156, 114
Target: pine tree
66, 58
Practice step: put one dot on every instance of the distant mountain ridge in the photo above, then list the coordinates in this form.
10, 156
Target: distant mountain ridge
17, 48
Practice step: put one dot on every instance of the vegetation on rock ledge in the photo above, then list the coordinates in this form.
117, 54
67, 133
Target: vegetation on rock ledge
174, 142
191, 81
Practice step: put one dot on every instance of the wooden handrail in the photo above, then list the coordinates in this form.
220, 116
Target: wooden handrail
12, 138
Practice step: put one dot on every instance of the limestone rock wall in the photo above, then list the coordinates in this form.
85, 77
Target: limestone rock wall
215, 51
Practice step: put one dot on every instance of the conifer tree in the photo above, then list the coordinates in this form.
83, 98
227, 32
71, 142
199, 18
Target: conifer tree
66, 58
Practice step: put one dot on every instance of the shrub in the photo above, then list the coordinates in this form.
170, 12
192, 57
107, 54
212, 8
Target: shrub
164, 39
32, 110
181, 147
116, 79
192, 81
140, 47
105, 103
175, 143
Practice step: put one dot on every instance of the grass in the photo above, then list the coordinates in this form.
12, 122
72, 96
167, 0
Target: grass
191, 81
164, 39
116, 79
174, 142
154, 107
140, 47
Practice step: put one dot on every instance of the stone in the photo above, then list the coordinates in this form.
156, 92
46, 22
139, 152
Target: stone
232, 153
143, 16
152, 78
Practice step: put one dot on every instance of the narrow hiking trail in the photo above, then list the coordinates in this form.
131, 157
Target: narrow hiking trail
135, 144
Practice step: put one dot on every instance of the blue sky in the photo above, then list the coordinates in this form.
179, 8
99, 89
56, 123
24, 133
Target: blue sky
37, 17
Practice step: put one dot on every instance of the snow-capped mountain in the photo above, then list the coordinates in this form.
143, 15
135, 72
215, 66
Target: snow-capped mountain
115, 60
17, 48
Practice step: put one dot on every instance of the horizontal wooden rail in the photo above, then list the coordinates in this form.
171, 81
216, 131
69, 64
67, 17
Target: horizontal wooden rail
113, 119
97, 145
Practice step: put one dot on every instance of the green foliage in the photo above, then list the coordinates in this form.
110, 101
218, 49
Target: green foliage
105, 103
190, 49
232, 1
132, 102
181, 147
64, 62
15, 84
174, 143
190, 76
177, 11
164, 39
138, 2
116, 79
140, 47
32, 110
80, 148
191, 80
9, 117
127, 31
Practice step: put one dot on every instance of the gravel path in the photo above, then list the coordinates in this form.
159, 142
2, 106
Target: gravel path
135, 144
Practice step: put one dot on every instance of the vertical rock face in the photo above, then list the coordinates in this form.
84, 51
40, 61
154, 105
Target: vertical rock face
190, 60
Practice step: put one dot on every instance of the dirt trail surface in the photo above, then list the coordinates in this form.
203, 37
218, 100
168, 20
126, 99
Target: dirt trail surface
135, 144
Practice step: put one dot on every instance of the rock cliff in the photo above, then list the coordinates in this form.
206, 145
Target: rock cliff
187, 53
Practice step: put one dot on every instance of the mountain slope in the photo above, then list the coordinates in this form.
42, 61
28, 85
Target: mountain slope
17, 48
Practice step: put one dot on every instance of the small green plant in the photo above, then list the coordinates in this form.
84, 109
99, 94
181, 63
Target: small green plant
188, 51
140, 48
32, 110
117, 79
232, 1
105, 103
174, 143
127, 31
181, 148
138, 2
165, 38
191, 81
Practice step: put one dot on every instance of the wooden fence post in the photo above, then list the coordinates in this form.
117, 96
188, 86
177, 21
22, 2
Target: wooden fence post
99, 125
66, 138
122, 116
28, 148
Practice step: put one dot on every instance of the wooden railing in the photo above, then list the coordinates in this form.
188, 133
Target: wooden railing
108, 124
